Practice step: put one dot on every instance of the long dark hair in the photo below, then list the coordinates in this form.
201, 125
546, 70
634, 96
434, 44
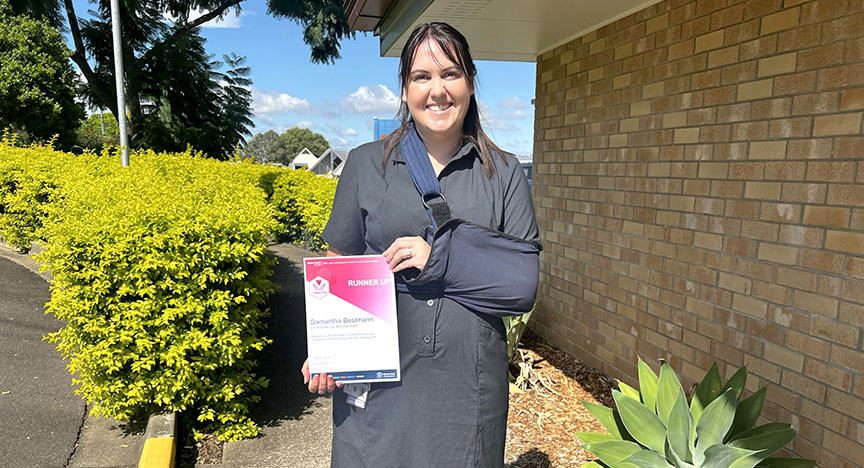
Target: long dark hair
455, 47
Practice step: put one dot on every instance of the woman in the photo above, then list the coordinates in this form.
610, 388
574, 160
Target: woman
450, 408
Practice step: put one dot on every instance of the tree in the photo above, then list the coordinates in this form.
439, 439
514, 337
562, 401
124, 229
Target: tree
298, 138
90, 134
37, 93
175, 91
268, 147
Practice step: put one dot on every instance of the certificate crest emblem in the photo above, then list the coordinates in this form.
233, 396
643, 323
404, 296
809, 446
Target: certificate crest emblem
319, 287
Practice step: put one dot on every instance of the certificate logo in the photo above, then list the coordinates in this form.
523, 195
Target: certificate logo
319, 287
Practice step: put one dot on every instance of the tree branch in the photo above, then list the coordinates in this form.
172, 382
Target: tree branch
80, 58
185, 29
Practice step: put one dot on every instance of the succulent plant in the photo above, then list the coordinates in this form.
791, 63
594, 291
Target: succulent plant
659, 427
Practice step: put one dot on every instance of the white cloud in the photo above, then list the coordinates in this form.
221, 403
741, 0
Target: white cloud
371, 99
511, 103
277, 103
506, 120
230, 20
341, 130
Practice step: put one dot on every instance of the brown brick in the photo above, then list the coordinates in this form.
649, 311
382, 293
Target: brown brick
784, 357
844, 241
852, 147
804, 193
798, 83
750, 306
747, 131
778, 253
797, 279
780, 212
785, 19
847, 27
726, 189
686, 135
746, 170
652, 90
821, 260
758, 48
778, 64
800, 38
853, 99
750, 210
822, 171
738, 73
797, 383
848, 358
733, 113
640, 108
657, 24
681, 49
820, 148
755, 90
722, 57
790, 128
821, 57
702, 116
767, 150
823, 415
837, 124
719, 96
597, 46
715, 133
708, 170
771, 108
846, 195
835, 332
800, 235
816, 103
762, 190
785, 170
810, 346
843, 399
674, 119
841, 77
852, 314
855, 50
821, 305
827, 216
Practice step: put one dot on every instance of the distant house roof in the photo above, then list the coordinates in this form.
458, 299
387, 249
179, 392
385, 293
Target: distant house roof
328, 162
304, 158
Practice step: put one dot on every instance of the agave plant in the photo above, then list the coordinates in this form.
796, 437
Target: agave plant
659, 427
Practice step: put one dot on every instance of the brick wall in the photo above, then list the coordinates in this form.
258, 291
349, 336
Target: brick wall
699, 182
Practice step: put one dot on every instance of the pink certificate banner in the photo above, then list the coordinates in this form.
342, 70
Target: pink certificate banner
351, 323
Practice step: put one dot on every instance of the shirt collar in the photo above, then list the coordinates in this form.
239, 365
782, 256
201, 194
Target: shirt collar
468, 149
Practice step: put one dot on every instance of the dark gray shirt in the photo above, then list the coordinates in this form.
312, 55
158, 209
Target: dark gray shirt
450, 409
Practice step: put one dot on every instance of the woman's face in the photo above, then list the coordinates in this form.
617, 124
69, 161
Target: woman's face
437, 93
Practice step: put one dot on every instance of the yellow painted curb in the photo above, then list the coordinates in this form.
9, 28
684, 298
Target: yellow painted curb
158, 453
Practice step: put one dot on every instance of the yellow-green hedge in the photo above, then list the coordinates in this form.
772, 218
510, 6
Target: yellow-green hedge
303, 201
160, 270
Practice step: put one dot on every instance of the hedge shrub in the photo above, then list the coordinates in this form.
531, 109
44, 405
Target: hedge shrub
303, 201
160, 273
160, 270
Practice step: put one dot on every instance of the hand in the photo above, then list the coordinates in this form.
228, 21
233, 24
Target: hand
407, 252
319, 384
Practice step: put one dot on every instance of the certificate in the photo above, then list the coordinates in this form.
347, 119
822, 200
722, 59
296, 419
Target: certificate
351, 326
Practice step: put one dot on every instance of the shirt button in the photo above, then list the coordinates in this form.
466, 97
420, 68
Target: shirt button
430, 302
427, 339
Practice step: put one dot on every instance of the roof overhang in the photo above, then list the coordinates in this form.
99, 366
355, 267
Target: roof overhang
513, 30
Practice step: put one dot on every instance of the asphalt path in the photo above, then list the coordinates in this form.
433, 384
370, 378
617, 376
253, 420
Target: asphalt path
40, 415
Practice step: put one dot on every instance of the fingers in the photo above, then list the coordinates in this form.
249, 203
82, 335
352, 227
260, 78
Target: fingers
407, 252
322, 384
305, 371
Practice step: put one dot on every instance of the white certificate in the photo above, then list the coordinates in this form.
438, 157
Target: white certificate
351, 327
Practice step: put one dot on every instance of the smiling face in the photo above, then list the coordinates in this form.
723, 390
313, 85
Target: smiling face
437, 94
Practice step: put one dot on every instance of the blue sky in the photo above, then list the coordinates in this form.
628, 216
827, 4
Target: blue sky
340, 100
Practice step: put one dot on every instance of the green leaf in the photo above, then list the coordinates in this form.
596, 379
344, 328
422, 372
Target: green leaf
668, 389
765, 445
594, 437
629, 391
605, 416
736, 382
641, 422
648, 385
763, 429
648, 459
678, 432
714, 424
675, 459
613, 451
747, 413
722, 456
592, 464
786, 463
707, 390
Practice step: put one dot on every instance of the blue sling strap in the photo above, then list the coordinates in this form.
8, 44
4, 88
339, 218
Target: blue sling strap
483, 269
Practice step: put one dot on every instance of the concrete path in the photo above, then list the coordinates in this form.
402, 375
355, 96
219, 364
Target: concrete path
40, 415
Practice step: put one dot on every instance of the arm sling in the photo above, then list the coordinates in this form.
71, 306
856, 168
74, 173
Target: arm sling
482, 269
